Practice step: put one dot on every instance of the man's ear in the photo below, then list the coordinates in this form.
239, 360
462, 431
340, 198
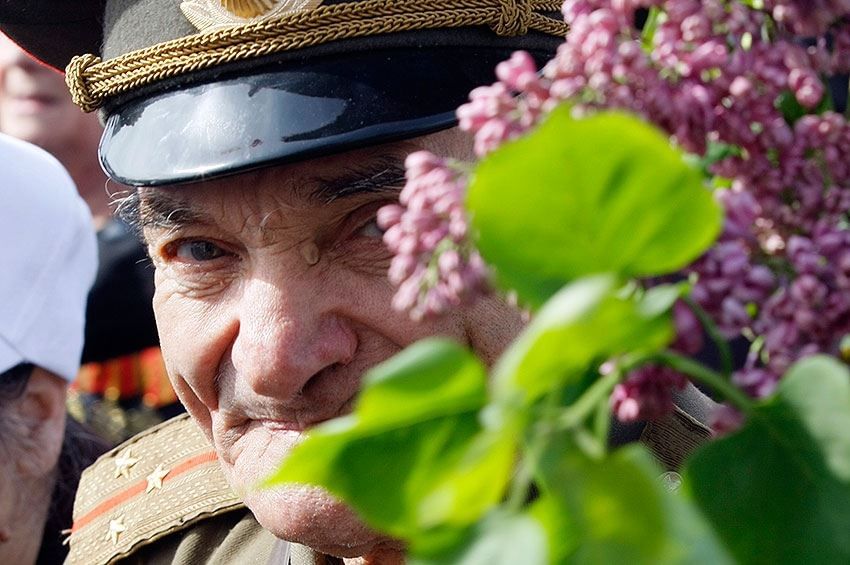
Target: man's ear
41, 417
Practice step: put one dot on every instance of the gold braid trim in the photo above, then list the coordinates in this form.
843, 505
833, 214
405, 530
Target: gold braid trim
93, 81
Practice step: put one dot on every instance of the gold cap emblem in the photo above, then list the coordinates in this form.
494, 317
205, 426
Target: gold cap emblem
213, 15
248, 8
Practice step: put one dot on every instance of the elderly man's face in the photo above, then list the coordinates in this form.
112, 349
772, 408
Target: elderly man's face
272, 301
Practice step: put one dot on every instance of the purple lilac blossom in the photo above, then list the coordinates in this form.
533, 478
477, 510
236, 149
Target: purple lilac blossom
725, 419
434, 266
721, 78
713, 77
647, 393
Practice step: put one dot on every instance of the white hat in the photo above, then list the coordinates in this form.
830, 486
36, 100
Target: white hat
48, 261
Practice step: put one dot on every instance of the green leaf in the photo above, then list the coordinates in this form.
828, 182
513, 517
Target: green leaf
792, 110
714, 153
660, 299
561, 534
431, 378
584, 322
616, 510
607, 193
500, 539
479, 477
778, 490
412, 458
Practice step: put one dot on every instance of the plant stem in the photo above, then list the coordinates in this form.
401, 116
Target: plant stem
581, 408
589, 443
602, 422
521, 482
711, 328
595, 398
705, 375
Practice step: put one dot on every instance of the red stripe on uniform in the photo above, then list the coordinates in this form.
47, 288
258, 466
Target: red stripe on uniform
138, 488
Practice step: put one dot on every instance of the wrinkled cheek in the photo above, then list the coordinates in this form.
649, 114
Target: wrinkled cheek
170, 328
190, 349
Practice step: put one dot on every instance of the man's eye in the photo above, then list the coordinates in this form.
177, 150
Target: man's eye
198, 250
371, 229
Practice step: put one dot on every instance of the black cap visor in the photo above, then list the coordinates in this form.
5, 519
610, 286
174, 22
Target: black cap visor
290, 111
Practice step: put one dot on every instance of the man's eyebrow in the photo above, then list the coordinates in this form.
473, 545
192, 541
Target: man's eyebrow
384, 176
158, 208
161, 210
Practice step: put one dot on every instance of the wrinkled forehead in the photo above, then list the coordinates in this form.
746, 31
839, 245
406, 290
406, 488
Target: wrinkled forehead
298, 192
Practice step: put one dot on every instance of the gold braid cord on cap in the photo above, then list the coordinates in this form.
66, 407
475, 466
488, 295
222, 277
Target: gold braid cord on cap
93, 81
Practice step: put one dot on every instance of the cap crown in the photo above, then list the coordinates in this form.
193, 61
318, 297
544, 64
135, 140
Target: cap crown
196, 89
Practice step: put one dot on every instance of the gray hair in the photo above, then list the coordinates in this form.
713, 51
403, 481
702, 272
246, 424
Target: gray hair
80, 448
13, 383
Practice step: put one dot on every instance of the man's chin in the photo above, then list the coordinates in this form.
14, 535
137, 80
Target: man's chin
309, 516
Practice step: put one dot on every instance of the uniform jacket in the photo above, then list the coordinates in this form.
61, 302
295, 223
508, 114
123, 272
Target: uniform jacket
161, 498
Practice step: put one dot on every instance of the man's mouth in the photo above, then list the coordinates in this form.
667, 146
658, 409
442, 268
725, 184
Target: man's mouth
283, 425
291, 419
301, 422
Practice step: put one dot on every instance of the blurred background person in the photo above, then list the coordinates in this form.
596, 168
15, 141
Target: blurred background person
122, 387
48, 261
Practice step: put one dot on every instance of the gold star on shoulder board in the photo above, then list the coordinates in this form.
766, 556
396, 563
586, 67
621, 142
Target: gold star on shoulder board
155, 479
116, 526
123, 462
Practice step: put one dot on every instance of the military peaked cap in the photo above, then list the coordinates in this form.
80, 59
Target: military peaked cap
195, 89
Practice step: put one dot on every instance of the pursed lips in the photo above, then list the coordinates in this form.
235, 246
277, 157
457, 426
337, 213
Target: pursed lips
239, 420
301, 420
253, 435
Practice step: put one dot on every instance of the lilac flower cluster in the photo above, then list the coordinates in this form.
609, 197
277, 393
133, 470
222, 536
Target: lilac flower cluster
808, 17
742, 85
434, 265
647, 392
725, 420
743, 88
495, 114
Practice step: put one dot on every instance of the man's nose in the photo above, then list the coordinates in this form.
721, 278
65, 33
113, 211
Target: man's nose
286, 336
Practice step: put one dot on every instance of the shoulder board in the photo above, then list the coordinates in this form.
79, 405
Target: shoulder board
673, 438
156, 483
